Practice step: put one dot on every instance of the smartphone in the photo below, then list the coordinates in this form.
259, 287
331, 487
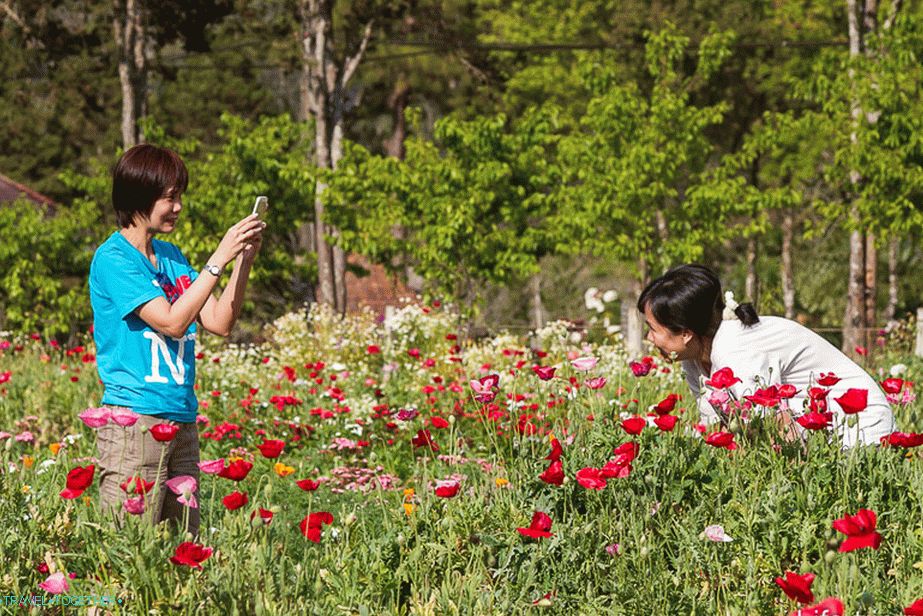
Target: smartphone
261, 206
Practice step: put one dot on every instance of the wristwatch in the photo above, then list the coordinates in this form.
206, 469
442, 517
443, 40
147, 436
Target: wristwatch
214, 270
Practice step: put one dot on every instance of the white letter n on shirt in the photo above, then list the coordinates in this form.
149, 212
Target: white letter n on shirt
158, 348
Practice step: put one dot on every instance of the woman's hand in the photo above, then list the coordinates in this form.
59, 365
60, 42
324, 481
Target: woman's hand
245, 235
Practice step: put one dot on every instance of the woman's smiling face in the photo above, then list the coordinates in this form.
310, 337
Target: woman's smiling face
671, 345
165, 212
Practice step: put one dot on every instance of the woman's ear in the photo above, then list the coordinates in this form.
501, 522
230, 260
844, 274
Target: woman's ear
687, 335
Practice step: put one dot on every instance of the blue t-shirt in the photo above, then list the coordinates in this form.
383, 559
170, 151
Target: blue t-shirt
141, 368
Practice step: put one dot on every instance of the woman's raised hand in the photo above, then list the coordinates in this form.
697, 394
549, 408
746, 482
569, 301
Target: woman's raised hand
245, 235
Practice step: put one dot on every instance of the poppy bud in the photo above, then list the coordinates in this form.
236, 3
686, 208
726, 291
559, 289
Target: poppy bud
829, 557
349, 520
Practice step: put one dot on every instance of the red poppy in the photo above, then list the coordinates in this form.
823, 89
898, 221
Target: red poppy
853, 401
540, 526
307, 485
818, 393
235, 500
828, 380
556, 450
892, 385
164, 432
815, 420
438, 422
666, 405
914, 609
617, 468
634, 425
265, 515
859, 530
640, 369
190, 554
236, 470
136, 485
554, 474
830, 606
271, 448
904, 439
722, 379
424, 439
78, 480
797, 587
767, 397
545, 373
591, 478
721, 439
626, 451
666, 422
372, 349
787, 391
312, 523
447, 488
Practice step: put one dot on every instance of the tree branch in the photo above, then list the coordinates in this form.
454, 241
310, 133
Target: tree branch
892, 15
351, 64
14, 16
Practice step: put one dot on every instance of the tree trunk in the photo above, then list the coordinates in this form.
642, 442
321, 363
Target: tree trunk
394, 145
536, 307
632, 320
128, 28
751, 287
788, 274
339, 256
891, 310
323, 90
854, 316
871, 271
853, 325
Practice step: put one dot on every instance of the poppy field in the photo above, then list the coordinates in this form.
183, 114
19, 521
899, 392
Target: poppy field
355, 467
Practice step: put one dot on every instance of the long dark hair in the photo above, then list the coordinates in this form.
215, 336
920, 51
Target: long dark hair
689, 297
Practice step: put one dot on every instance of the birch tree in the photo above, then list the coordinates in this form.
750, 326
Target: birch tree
328, 98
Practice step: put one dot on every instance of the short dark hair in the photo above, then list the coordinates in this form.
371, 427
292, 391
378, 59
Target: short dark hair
144, 174
689, 297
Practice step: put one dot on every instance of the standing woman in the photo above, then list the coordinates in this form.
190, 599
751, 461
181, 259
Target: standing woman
147, 301
689, 321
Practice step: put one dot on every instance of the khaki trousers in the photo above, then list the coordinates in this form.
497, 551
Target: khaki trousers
127, 452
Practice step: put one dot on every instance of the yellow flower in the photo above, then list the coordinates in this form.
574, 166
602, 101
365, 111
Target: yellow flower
409, 507
408, 493
55, 448
282, 470
26, 488
28, 461
87, 501
500, 481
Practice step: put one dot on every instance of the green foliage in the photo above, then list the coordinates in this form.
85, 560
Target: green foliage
44, 261
470, 207
632, 159
870, 107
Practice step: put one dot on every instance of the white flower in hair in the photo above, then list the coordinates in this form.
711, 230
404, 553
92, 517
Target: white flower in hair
729, 306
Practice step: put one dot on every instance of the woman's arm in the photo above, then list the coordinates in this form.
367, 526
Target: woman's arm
219, 316
174, 319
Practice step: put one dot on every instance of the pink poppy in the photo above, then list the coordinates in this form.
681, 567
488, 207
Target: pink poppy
95, 417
